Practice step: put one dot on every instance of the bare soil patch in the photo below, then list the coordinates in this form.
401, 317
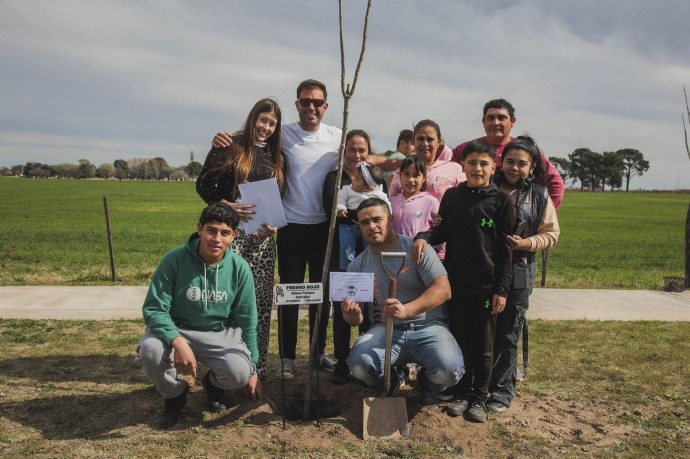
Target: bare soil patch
559, 423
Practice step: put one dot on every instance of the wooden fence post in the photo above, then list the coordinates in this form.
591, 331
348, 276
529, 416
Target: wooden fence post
110, 239
544, 265
687, 249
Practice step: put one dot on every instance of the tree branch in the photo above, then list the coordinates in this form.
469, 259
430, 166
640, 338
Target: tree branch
347, 94
364, 42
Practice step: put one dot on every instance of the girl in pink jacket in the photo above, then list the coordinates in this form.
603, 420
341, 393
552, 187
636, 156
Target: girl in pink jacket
413, 207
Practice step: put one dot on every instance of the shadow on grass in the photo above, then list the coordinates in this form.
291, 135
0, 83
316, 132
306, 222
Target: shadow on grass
94, 397
86, 415
100, 368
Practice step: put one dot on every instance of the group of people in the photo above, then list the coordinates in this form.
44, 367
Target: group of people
469, 232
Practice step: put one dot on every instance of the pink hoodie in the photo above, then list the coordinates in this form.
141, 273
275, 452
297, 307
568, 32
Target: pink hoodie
413, 215
443, 174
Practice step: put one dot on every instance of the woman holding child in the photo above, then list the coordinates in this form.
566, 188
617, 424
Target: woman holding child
357, 151
254, 155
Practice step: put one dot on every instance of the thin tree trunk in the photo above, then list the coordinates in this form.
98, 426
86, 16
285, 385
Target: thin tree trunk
687, 219
687, 249
347, 92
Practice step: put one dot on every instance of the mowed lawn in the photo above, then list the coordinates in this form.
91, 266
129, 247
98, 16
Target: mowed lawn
53, 232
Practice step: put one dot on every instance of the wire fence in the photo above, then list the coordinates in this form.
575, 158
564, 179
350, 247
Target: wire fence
58, 234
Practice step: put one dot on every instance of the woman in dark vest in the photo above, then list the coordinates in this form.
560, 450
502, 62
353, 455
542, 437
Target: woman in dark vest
536, 230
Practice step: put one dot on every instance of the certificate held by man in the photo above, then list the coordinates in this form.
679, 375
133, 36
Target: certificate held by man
356, 286
265, 196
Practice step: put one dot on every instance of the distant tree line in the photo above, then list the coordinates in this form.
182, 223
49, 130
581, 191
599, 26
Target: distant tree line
593, 170
598, 170
134, 169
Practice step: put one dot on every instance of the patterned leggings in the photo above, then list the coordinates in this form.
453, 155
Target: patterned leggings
260, 253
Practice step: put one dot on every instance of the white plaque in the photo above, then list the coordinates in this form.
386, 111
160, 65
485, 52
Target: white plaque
307, 293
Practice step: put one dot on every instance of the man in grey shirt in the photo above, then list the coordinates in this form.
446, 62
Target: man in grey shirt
420, 330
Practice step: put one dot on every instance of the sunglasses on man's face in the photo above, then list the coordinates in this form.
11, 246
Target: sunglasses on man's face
306, 102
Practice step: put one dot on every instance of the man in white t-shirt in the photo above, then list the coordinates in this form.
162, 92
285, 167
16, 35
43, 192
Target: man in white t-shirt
311, 151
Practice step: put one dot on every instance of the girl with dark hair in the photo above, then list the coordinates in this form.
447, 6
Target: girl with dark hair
413, 208
536, 229
255, 154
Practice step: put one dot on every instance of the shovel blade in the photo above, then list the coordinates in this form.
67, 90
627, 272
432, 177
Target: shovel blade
384, 417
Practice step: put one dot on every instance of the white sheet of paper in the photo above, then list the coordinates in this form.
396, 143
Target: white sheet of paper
356, 286
264, 194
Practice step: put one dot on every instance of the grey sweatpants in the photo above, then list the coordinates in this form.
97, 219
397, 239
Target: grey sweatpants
223, 352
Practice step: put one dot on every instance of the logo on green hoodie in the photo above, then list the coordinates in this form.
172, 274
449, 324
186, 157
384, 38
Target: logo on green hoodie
193, 293
196, 294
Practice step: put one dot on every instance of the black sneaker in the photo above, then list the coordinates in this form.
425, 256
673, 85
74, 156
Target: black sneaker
173, 408
215, 395
457, 406
397, 380
326, 363
341, 375
429, 400
477, 410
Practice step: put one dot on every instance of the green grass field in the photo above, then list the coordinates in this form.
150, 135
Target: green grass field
70, 389
53, 232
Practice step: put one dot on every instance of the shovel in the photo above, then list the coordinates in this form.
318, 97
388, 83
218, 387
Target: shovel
386, 417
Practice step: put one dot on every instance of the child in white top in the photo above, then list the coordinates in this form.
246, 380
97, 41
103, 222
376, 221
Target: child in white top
367, 183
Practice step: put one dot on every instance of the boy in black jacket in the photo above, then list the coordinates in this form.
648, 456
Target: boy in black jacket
476, 219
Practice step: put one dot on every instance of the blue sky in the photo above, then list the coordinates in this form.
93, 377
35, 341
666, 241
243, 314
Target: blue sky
103, 80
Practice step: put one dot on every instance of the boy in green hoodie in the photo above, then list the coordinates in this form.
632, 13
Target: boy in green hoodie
201, 306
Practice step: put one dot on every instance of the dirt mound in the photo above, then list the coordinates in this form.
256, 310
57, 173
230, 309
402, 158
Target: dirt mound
557, 422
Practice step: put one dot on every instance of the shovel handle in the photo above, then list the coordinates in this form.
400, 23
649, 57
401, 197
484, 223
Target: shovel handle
393, 254
389, 343
392, 284
392, 278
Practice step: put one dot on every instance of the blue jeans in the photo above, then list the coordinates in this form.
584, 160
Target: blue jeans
430, 345
349, 235
508, 329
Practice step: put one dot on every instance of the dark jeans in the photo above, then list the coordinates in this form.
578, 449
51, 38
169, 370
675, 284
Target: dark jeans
474, 328
300, 246
342, 331
508, 329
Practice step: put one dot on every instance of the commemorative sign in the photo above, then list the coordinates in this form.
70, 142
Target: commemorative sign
308, 293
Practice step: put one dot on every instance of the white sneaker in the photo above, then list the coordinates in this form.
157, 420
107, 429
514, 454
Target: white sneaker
288, 369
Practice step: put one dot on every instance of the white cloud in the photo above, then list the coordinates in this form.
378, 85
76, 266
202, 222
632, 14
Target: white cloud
107, 80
